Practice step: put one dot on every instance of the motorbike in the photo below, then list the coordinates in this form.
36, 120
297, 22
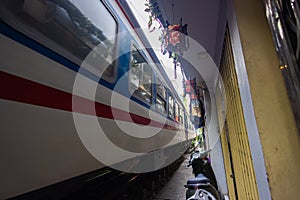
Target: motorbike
204, 185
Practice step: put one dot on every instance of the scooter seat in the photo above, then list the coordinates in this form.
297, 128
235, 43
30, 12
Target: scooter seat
200, 178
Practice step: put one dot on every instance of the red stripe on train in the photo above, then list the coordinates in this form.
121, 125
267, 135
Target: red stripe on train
19, 89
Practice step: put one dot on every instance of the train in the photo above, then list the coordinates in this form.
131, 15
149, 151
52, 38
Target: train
81, 90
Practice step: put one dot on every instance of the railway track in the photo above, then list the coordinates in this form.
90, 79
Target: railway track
115, 185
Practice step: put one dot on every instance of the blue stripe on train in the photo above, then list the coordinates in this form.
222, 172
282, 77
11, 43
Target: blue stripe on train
28, 42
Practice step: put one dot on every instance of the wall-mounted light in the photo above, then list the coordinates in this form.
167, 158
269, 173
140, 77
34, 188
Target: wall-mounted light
281, 67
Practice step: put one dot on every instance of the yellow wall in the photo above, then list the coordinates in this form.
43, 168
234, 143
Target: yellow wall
224, 143
234, 132
276, 124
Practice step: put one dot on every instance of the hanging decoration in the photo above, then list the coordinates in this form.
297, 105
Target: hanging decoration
173, 38
154, 14
196, 106
174, 41
189, 86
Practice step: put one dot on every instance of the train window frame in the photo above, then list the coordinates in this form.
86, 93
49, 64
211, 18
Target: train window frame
176, 111
180, 114
30, 27
185, 120
161, 97
171, 115
131, 84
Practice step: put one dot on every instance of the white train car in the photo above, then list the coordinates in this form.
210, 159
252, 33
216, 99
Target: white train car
79, 92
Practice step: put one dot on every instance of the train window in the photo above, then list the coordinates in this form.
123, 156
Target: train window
185, 120
161, 96
161, 104
71, 28
171, 106
140, 76
180, 114
176, 112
